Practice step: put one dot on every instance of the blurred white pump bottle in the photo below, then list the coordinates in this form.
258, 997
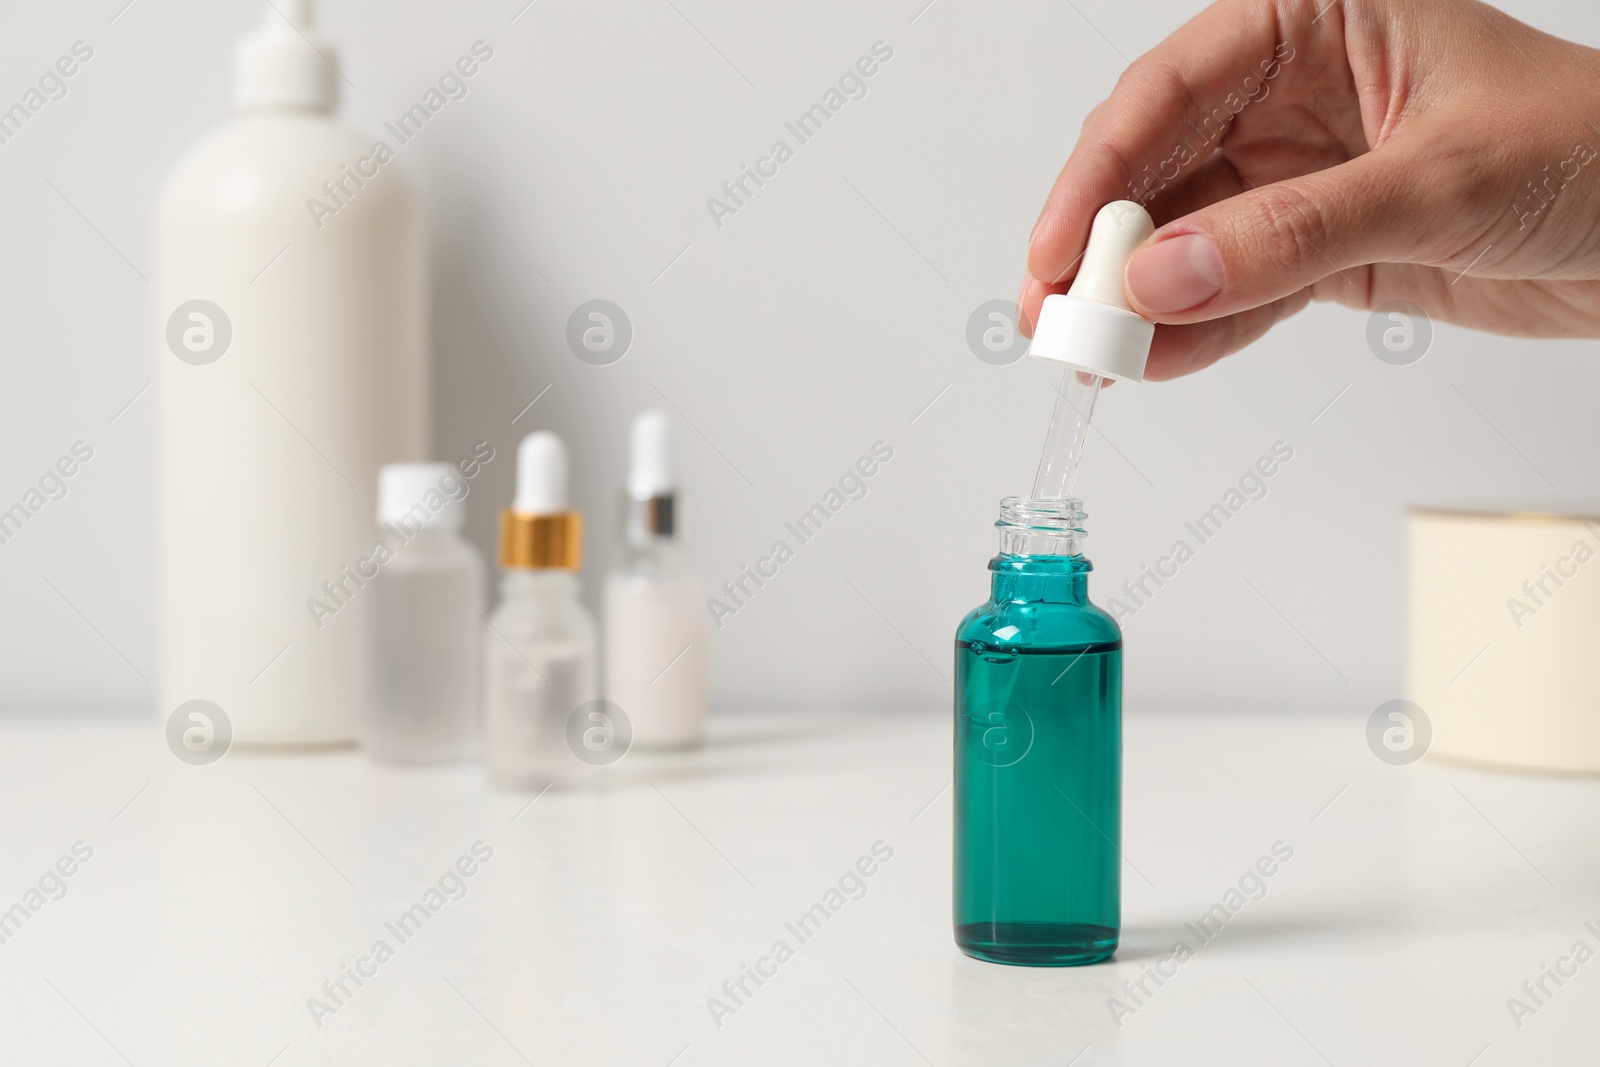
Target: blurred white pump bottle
656, 640
426, 621
291, 302
539, 656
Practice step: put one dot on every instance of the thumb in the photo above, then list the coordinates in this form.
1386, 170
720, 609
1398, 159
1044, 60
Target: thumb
1269, 242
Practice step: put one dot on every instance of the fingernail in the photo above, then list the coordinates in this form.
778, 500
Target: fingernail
1024, 324
1175, 274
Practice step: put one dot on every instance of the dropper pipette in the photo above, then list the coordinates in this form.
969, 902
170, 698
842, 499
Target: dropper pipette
1092, 329
1069, 428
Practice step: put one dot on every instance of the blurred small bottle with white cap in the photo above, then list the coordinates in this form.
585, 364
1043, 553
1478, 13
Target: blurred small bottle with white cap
656, 641
541, 650
425, 622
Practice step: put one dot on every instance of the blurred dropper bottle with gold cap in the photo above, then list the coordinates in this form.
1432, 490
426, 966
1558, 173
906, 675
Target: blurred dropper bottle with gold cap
540, 661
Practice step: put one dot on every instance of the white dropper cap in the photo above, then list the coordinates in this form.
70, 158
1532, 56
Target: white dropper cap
541, 475
650, 456
420, 495
1092, 327
284, 63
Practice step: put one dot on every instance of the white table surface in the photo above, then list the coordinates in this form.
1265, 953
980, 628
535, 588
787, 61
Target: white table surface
219, 899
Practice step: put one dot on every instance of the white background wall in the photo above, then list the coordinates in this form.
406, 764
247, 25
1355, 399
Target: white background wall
823, 317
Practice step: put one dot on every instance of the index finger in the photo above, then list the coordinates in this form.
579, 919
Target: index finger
1127, 148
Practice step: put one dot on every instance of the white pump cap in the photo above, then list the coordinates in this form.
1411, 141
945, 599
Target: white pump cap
1091, 327
426, 495
541, 475
283, 63
650, 456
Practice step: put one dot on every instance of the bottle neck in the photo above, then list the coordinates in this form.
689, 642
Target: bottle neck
652, 520
275, 110
528, 583
429, 538
285, 64
1041, 527
660, 557
1041, 553
1039, 579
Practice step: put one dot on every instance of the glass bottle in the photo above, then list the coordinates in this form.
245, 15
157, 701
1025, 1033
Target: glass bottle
539, 654
425, 621
1038, 752
656, 641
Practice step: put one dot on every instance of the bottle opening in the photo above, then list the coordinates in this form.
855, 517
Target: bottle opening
1034, 527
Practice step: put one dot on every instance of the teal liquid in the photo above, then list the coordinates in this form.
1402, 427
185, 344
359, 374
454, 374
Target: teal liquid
1038, 754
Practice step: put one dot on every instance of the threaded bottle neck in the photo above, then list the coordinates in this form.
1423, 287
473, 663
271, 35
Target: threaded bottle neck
1041, 527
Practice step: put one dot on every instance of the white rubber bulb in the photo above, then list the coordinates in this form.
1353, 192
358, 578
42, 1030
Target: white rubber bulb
1118, 229
541, 475
1091, 327
650, 456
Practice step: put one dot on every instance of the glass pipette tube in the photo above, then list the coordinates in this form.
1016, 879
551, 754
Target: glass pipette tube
1069, 428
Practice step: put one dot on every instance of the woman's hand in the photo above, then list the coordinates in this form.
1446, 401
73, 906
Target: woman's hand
1436, 151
